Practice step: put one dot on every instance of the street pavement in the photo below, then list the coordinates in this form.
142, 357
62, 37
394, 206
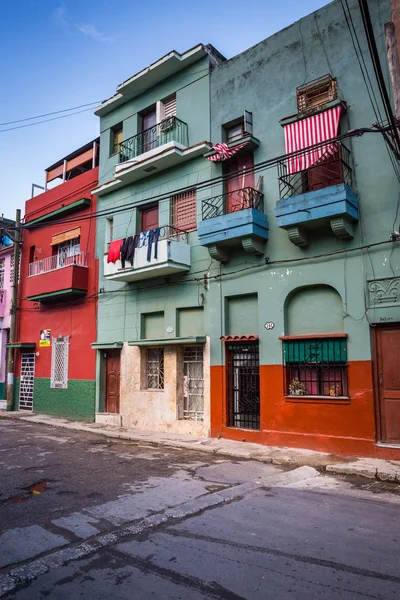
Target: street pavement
84, 516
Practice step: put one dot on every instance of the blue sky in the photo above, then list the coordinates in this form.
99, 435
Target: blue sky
58, 55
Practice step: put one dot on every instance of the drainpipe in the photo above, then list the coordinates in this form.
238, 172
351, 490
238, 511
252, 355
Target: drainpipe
13, 311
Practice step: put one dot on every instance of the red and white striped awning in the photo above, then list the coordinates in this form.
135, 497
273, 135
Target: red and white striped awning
308, 132
223, 152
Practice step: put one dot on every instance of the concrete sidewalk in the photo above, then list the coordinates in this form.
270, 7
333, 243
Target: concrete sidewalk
371, 468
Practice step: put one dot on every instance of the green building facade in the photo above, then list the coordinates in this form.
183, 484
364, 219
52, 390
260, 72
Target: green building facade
273, 318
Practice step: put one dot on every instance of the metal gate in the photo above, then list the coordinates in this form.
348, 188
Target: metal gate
27, 377
193, 382
243, 386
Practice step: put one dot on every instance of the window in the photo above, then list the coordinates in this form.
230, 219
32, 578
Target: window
109, 229
2, 269
193, 383
59, 362
67, 251
241, 127
316, 366
184, 211
116, 138
316, 93
12, 268
149, 218
155, 369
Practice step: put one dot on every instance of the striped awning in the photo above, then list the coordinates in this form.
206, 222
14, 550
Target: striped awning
223, 152
310, 131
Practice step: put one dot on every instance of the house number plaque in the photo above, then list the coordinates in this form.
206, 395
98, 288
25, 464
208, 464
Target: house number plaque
269, 325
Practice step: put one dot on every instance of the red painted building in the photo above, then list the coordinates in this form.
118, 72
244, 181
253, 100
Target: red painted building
55, 367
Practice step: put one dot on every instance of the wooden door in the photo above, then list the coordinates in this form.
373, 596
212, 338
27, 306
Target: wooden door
112, 377
149, 130
242, 166
387, 345
149, 218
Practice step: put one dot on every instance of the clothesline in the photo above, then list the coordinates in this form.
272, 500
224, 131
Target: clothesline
124, 249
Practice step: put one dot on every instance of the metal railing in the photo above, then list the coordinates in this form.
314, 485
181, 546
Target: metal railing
171, 129
232, 202
52, 263
331, 167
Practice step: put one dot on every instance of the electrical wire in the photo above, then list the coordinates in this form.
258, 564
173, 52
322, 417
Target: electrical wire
55, 112
200, 186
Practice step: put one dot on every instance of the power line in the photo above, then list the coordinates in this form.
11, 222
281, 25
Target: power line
55, 112
46, 120
202, 185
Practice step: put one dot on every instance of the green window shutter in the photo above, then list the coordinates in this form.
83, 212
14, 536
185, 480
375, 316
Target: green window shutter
317, 350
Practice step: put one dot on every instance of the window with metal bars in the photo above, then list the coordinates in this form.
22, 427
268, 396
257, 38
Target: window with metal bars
155, 369
193, 383
2, 270
59, 362
316, 366
184, 211
12, 268
314, 94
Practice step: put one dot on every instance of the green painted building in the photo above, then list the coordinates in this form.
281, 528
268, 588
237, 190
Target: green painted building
272, 309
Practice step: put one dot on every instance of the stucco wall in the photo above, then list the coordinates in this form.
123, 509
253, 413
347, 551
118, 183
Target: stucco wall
156, 410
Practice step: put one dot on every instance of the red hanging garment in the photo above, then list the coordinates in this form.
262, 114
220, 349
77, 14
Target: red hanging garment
114, 251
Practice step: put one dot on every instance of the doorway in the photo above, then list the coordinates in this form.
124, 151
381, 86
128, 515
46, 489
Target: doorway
387, 383
243, 385
27, 380
239, 183
112, 360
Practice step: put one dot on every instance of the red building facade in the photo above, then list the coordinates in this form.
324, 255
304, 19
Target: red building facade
55, 366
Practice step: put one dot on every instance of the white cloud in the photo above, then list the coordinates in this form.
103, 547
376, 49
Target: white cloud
92, 31
60, 19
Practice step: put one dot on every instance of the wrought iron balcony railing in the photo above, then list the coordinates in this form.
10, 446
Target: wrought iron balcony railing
232, 202
331, 167
51, 263
171, 129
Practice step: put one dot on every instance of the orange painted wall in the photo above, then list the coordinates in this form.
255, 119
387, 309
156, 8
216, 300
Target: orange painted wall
337, 427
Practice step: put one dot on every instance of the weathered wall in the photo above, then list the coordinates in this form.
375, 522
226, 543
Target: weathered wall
156, 410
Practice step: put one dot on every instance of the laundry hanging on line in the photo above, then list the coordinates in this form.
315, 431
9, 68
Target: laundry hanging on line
114, 251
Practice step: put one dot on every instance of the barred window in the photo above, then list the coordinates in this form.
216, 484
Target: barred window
316, 366
193, 383
59, 362
2, 269
155, 368
184, 211
11, 268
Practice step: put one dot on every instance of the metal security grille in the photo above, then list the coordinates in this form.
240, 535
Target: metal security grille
12, 268
2, 269
193, 383
243, 386
314, 94
316, 367
59, 362
183, 211
155, 368
27, 379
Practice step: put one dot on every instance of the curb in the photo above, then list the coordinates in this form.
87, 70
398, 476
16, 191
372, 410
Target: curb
368, 468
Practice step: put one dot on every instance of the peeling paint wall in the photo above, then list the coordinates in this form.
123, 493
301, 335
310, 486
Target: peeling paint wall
157, 410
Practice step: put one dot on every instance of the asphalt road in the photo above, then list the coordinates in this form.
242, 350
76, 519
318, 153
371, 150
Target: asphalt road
87, 517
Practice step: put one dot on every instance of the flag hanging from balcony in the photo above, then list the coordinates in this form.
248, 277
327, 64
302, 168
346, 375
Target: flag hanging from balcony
308, 132
223, 152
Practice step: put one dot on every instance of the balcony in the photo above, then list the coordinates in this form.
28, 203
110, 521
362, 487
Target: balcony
173, 257
3, 297
149, 140
232, 219
318, 197
57, 278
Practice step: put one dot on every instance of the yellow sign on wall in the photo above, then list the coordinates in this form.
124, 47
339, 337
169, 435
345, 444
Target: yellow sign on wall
45, 337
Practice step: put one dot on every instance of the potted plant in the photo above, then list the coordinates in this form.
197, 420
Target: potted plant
297, 388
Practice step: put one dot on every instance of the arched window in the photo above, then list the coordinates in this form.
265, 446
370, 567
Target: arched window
315, 347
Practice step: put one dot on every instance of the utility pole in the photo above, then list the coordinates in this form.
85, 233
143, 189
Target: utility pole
13, 322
